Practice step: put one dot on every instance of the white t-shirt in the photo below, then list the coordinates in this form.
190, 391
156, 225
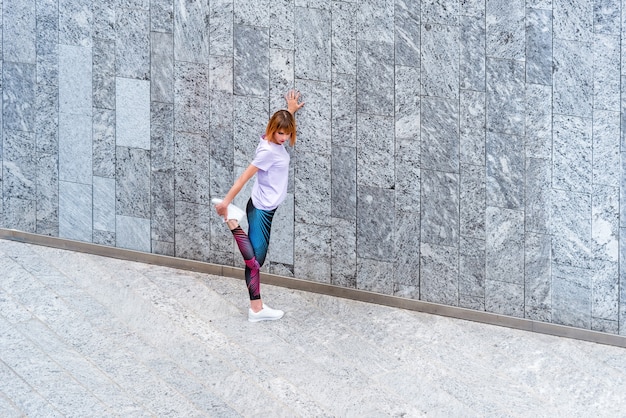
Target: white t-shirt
270, 186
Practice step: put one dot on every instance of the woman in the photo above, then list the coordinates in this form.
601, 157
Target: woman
271, 166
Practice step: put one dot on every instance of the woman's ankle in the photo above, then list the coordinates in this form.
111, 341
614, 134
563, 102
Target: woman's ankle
256, 305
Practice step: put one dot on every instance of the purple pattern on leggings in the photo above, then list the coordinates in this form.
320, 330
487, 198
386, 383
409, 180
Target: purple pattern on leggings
253, 278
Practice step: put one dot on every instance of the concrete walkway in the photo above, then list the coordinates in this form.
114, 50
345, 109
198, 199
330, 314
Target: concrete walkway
88, 336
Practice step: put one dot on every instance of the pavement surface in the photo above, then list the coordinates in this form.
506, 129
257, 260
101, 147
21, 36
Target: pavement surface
88, 336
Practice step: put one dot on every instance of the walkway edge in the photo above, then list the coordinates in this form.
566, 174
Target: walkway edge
321, 288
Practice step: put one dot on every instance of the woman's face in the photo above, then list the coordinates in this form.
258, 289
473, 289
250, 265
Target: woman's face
281, 136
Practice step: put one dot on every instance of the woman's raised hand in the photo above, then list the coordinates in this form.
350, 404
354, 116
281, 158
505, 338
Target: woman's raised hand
293, 101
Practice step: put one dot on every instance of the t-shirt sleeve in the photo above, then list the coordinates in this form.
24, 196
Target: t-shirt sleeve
263, 159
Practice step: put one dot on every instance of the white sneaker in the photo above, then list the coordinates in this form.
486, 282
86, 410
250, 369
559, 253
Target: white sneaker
265, 314
234, 212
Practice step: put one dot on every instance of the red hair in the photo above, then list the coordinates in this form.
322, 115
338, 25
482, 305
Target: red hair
284, 121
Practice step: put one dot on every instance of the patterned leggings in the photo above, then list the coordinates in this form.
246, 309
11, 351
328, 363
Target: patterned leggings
254, 246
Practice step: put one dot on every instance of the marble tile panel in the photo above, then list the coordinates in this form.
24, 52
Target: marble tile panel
19, 214
622, 213
538, 138
132, 46
606, 148
605, 223
191, 36
221, 27
375, 151
439, 274
104, 238
343, 182
47, 119
103, 146
343, 252
505, 96
406, 264
313, 188
165, 248
314, 4
134, 4
343, 110
572, 77
162, 205
573, 19
473, 202
281, 77
313, 44
607, 17
440, 12
537, 195
103, 83
251, 61
161, 67
48, 63
375, 21
76, 22
220, 74
282, 27
250, 116
312, 252
440, 60
605, 290
440, 134
539, 4
476, 303
104, 26
47, 195
191, 107
19, 165
604, 325
18, 96
161, 136
440, 208
537, 273
192, 230
75, 148
504, 245
408, 175
407, 33
505, 170
571, 228
221, 143
104, 204
75, 80
472, 120
606, 72
622, 281
162, 16
19, 31
249, 13
375, 78
373, 276
132, 117
472, 53
281, 248
75, 211
504, 298
539, 46
314, 119
132, 175
472, 267
505, 29
343, 38
407, 102
571, 296
375, 225
133, 233
192, 168
572, 165
473, 8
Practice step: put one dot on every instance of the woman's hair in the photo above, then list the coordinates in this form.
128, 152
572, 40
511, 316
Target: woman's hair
284, 121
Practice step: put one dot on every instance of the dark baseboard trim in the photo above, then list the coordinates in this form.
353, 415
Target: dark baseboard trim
322, 288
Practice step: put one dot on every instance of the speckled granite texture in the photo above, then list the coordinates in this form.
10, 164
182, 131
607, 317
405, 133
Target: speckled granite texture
467, 153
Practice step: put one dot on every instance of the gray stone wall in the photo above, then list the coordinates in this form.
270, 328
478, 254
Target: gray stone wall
460, 152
